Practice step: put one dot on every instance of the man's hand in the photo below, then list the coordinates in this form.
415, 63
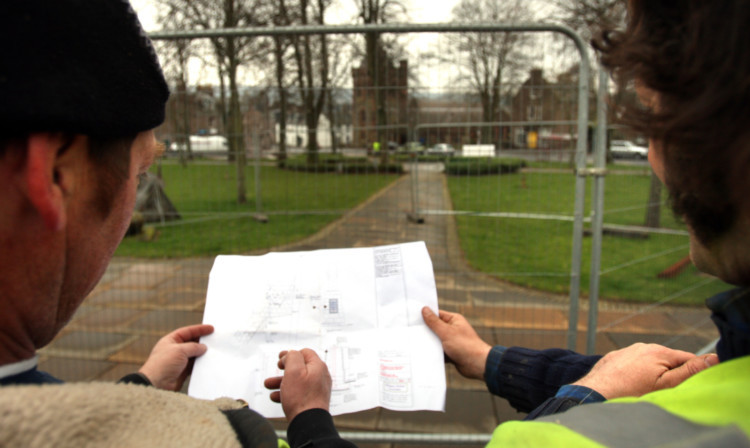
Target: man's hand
306, 383
643, 368
461, 344
170, 360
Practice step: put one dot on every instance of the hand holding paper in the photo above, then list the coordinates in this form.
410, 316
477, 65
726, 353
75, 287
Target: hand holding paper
170, 360
461, 343
306, 383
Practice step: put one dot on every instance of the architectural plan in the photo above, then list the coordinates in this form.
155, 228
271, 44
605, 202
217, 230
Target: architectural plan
359, 309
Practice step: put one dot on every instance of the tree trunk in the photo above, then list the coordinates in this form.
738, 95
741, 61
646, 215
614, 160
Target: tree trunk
311, 113
186, 127
653, 207
331, 121
236, 144
223, 105
279, 52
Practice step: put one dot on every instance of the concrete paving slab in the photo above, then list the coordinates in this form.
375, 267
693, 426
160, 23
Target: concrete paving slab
124, 298
82, 311
518, 316
161, 322
106, 318
495, 297
142, 275
185, 300
698, 318
637, 322
137, 351
74, 369
185, 281
195, 265
113, 272
87, 344
688, 343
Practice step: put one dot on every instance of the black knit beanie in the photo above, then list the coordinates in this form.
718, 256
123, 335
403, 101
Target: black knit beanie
79, 66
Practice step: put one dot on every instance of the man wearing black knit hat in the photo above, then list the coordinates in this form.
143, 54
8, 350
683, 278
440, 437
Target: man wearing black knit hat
81, 91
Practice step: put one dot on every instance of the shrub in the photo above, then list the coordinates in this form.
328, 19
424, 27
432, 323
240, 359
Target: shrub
480, 166
421, 157
336, 163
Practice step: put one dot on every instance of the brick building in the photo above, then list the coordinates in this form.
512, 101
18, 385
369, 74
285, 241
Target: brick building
539, 100
364, 103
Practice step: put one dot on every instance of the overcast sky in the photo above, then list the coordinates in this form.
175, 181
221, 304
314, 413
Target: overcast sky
420, 11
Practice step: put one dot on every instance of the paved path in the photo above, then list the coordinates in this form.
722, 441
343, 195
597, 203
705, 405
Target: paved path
138, 301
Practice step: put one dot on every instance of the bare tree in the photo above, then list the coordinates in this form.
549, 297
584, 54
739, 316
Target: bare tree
175, 56
491, 59
587, 16
312, 73
230, 53
339, 70
281, 45
310, 59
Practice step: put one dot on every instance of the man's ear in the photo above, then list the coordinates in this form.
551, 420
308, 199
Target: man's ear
41, 177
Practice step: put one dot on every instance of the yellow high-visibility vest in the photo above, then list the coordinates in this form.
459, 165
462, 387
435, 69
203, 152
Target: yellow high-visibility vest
712, 408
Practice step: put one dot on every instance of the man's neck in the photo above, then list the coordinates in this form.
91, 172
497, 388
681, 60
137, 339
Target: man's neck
13, 349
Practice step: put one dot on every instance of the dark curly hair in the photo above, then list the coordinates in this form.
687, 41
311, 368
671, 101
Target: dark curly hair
693, 54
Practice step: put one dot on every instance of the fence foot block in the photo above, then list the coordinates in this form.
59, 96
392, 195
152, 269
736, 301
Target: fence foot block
413, 217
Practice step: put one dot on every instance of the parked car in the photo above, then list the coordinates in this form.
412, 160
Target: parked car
623, 149
203, 144
442, 149
412, 147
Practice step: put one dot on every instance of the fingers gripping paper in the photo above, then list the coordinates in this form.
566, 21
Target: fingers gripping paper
359, 309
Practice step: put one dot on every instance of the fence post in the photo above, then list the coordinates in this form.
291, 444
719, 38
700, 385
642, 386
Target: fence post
259, 216
415, 216
580, 192
597, 211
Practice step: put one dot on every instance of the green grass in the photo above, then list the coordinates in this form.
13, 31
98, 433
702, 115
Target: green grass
213, 222
537, 253
641, 169
534, 253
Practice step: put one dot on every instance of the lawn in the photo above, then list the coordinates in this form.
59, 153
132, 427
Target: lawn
528, 251
537, 252
298, 205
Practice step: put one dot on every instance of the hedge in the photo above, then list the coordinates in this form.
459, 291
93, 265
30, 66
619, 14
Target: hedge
479, 166
335, 163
